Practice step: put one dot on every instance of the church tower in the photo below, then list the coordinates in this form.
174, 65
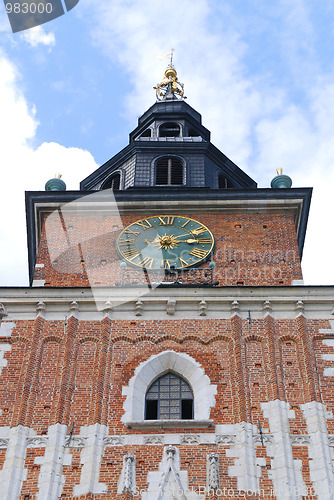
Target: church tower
167, 347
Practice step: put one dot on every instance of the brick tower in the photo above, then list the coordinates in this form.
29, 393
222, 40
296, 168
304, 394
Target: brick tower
167, 347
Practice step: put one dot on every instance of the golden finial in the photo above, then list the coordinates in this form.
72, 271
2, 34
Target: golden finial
170, 87
279, 171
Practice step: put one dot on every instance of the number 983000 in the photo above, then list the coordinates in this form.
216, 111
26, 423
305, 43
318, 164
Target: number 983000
28, 8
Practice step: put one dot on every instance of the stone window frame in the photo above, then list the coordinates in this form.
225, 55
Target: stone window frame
154, 367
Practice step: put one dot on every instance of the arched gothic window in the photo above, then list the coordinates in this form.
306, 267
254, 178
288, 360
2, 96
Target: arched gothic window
169, 130
113, 182
169, 398
169, 172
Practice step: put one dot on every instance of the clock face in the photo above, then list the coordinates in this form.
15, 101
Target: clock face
165, 241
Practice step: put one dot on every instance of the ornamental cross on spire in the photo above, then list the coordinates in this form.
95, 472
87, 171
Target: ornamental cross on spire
170, 87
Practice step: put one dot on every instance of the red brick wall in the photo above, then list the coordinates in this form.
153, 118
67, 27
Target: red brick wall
67, 381
251, 249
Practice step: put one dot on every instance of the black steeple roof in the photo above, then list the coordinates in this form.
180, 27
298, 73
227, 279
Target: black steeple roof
169, 135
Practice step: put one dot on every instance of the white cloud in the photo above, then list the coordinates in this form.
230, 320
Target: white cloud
37, 36
25, 168
250, 111
251, 115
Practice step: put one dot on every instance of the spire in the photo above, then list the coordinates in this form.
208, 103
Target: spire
170, 87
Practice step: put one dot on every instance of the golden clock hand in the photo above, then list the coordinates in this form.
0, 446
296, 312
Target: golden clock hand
148, 242
181, 236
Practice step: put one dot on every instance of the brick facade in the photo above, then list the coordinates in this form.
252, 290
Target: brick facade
74, 373
249, 250
80, 348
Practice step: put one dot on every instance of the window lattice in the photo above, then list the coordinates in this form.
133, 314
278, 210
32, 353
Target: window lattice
169, 398
169, 172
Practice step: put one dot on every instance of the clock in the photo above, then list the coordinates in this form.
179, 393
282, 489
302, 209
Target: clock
165, 241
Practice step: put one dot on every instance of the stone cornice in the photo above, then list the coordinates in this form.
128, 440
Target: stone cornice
171, 200
21, 303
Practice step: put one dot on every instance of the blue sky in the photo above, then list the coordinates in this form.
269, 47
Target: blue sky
260, 73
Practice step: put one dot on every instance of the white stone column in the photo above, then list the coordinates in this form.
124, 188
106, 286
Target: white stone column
50, 479
321, 465
91, 457
286, 472
13, 472
247, 467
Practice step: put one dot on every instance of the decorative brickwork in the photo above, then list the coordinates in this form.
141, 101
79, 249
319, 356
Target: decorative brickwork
76, 404
250, 349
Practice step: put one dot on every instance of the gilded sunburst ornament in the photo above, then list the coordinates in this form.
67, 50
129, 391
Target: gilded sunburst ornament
166, 241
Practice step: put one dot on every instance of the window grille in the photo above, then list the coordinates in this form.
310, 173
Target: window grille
169, 172
169, 398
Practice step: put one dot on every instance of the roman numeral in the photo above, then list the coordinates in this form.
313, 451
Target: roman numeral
199, 230
204, 241
198, 252
125, 241
168, 219
185, 223
128, 231
144, 223
146, 262
129, 252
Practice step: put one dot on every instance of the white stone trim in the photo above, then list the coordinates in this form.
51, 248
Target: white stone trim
329, 371
318, 301
4, 348
169, 481
247, 467
38, 283
6, 328
321, 463
212, 471
13, 472
50, 479
286, 473
91, 457
169, 424
180, 363
127, 480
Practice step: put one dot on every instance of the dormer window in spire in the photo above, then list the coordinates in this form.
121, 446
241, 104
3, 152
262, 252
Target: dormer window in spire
224, 182
170, 172
169, 130
113, 182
